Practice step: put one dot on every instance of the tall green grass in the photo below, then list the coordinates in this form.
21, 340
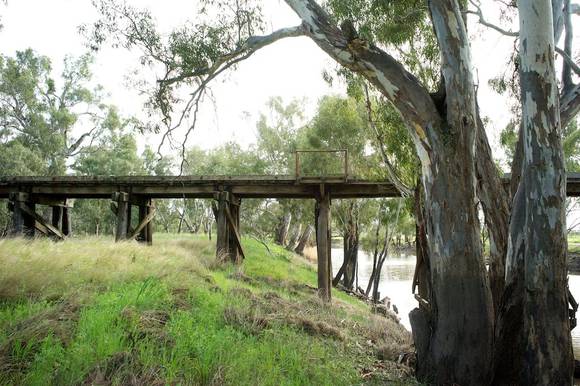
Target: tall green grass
89, 311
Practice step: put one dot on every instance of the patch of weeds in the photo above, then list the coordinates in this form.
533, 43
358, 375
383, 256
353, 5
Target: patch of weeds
117, 320
249, 321
26, 338
157, 315
271, 310
316, 327
241, 276
148, 324
180, 299
123, 368
12, 312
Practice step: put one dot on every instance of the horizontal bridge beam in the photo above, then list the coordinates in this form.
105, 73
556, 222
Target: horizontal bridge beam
206, 186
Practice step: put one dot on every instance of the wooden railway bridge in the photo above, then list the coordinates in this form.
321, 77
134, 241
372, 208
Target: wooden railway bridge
26, 193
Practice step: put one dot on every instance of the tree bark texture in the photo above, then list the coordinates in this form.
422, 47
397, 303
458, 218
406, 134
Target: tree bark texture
283, 228
304, 239
422, 277
351, 242
494, 199
534, 344
295, 237
455, 329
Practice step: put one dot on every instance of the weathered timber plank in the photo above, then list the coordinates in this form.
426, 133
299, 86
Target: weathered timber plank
17, 227
122, 200
38, 219
57, 217
29, 220
222, 239
129, 207
234, 232
142, 236
41, 228
51, 201
323, 246
149, 227
144, 187
66, 221
148, 217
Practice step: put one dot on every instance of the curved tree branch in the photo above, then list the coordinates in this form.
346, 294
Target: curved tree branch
568, 60
250, 46
567, 83
205, 75
478, 12
404, 90
569, 105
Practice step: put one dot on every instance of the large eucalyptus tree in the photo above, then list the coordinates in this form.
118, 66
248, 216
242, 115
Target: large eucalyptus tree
455, 325
534, 313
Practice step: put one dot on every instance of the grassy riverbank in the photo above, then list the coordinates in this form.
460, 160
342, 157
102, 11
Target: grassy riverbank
89, 311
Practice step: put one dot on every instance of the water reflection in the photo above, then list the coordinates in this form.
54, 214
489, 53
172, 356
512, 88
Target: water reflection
396, 278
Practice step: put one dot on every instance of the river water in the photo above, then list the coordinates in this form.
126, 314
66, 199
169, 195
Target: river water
396, 278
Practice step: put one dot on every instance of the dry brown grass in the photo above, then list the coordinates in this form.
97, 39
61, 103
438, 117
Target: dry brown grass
147, 324
125, 369
316, 318
26, 336
310, 254
48, 270
270, 294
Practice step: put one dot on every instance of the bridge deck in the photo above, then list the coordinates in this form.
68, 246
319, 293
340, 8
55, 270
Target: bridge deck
124, 192
195, 186
282, 186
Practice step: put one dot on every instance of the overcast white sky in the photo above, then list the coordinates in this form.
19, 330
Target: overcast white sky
291, 68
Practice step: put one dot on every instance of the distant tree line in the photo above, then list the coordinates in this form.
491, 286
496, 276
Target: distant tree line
56, 125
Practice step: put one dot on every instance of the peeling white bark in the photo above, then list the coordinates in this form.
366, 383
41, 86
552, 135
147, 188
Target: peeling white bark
534, 319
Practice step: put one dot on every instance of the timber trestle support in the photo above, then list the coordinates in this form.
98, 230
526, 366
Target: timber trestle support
226, 210
27, 222
121, 205
322, 220
26, 194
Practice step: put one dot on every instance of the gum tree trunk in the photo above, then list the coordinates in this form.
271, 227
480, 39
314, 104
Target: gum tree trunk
292, 243
454, 326
283, 228
350, 257
347, 271
304, 239
534, 343
458, 343
494, 201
